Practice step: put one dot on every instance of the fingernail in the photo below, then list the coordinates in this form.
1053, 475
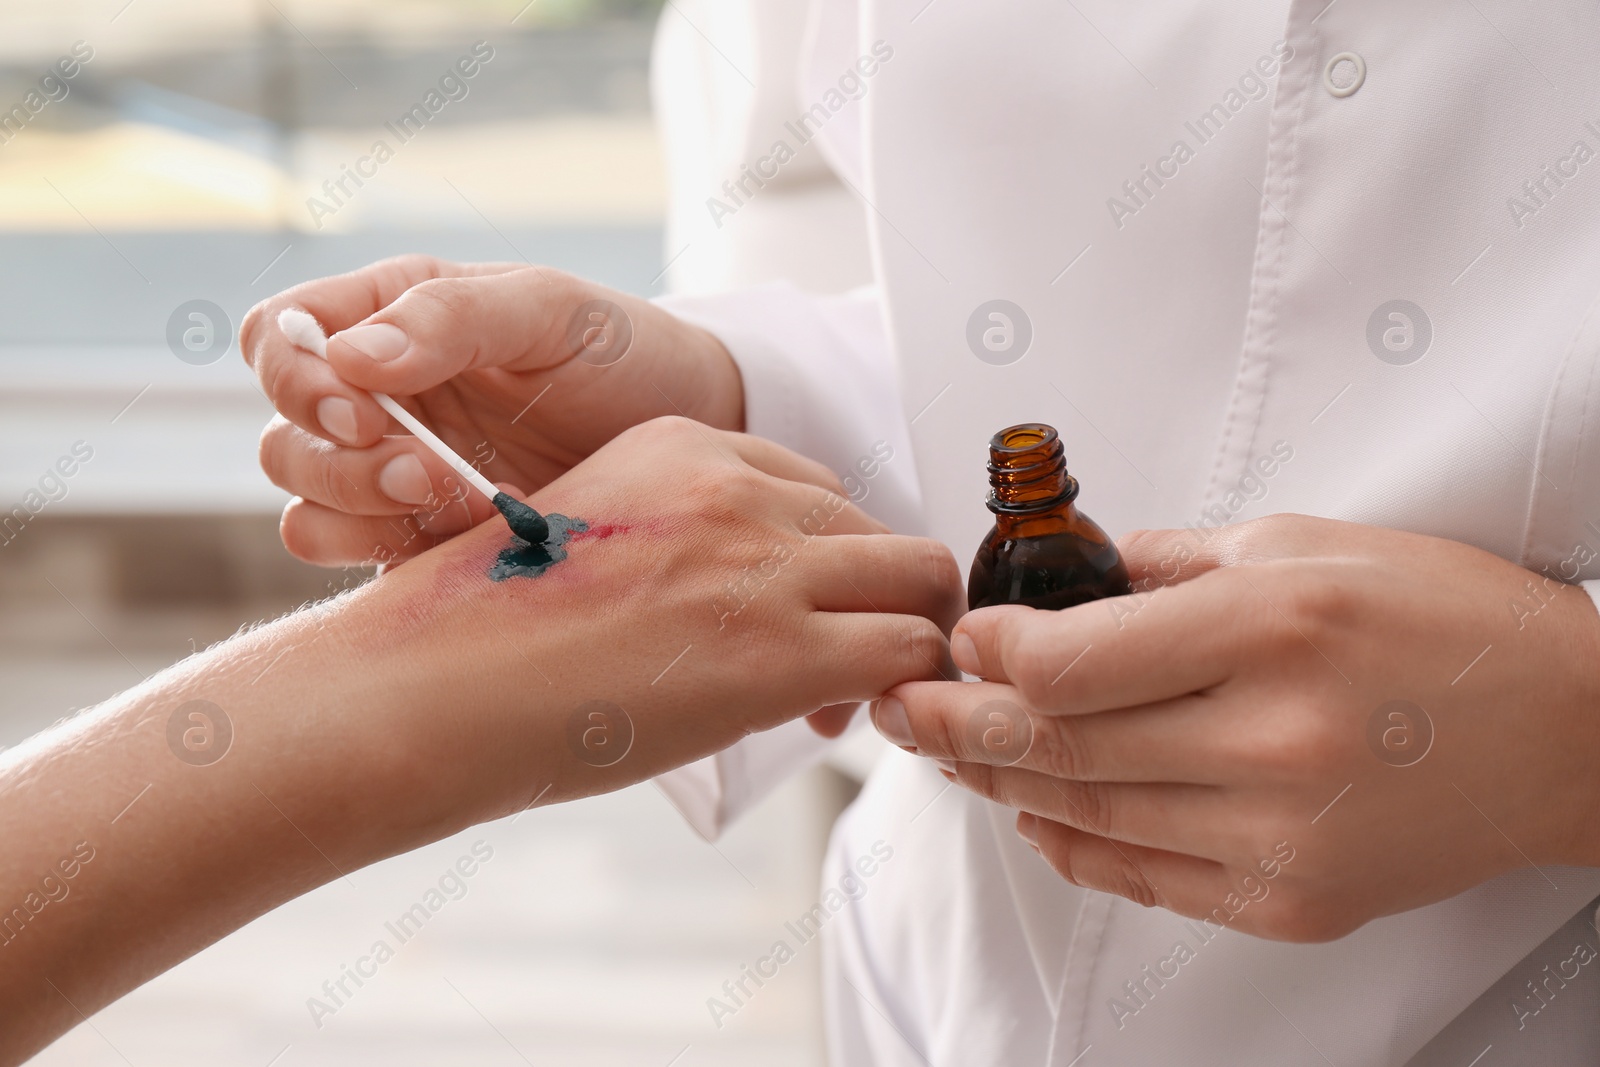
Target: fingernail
404, 479
1028, 828
947, 766
892, 722
381, 341
965, 653
338, 418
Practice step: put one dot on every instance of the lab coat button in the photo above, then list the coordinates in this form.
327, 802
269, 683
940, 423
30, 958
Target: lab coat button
1344, 73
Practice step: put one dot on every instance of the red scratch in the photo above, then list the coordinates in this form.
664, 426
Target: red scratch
600, 532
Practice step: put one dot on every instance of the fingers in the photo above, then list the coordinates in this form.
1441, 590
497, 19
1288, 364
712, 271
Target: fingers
884, 573
299, 383
443, 326
392, 477
1195, 820
862, 655
1188, 885
797, 478
772, 458
987, 723
1120, 652
310, 393
319, 534
338, 301
833, 720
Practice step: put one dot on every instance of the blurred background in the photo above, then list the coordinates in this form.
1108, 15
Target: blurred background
185, 174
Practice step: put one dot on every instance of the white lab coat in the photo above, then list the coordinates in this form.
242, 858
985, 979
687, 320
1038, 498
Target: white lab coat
1192, 309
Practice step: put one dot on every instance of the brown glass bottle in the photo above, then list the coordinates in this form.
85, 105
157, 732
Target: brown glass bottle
1042, 551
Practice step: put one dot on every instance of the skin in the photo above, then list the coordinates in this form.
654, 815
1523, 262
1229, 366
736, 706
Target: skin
1233, 707
431, 699
1223, 710
485, 342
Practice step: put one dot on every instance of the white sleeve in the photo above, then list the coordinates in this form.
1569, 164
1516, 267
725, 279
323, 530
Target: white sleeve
1592, 587
819, 379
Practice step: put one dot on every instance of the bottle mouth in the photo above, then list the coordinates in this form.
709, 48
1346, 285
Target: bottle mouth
1028, 437
1028, 470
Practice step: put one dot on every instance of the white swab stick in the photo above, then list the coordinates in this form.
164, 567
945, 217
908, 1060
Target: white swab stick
305, 332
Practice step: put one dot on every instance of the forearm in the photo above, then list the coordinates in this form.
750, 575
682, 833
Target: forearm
127, 852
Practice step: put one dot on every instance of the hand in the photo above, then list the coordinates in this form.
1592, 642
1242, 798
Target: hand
1222, 742
469, 348
725, 586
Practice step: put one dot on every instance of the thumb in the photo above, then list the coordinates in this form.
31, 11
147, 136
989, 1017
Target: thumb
439, 328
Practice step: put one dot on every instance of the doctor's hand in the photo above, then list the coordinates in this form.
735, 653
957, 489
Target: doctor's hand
1293, 728
523, 370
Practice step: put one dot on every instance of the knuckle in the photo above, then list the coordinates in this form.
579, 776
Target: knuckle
1139, 541
824, 476
1089, 806
1150, 555
1260, 536
676, 428
272, 451
1061, 752
441, 301
981, 779
922, 645
1282, 613
816, 521
1068, 863
1297, 744
938, 722
247, 330
1315, 603
717, 492
411, 264
295, 533
1088, 868
1260, 529
936, 561
923, 561
270, 372
1033, 668
396, 274
1131, 882
1284, 523
329, 484
664, 430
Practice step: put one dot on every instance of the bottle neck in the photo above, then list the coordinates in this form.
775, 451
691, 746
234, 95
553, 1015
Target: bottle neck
1028, 473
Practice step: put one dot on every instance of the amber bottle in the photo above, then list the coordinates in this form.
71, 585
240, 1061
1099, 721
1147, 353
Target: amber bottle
1042, 551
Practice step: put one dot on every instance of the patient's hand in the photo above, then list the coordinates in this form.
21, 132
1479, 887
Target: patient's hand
723, 586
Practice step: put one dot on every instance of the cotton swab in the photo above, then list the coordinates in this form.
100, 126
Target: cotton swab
304, 331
